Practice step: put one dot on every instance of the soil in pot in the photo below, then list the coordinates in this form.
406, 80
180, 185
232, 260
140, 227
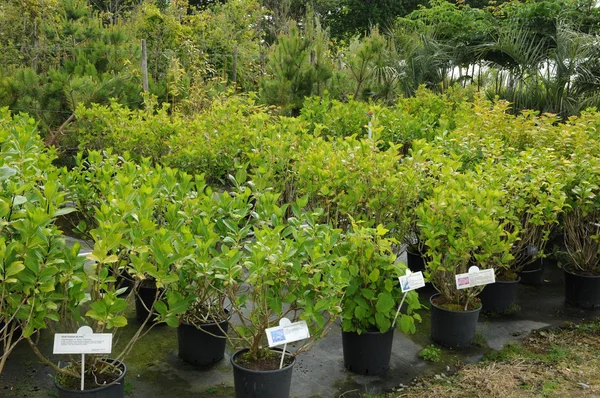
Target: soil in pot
500, 297
582, 289
451, 325
367, 353
203, 346
144, 299
109, 384
261, 379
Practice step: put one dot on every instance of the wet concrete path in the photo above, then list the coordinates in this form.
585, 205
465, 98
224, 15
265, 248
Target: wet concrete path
156, 371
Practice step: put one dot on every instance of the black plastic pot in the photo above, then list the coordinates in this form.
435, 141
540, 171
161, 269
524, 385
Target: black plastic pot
415, 262
582, 290
533, 273
16, 334
114, 390
145, 299
201, 346
500, 296
261, 383
453, 329
367, 353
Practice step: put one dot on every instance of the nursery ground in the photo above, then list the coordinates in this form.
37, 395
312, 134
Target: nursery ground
155, 370
562, 362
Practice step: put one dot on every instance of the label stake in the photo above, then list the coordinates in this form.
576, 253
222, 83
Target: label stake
398, 312
282, 356
82, 371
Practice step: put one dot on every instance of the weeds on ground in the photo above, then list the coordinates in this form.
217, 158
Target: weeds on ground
563, 362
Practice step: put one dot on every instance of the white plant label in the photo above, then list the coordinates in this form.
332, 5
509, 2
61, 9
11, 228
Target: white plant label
411, 281
287, 332
83, 342
475, 277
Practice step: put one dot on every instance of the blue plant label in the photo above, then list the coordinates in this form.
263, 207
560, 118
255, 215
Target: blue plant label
411, 281
287, 333
475, 277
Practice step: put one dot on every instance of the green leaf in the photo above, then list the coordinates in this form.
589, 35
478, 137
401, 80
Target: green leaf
63, 211
111, 259
374, 275
361, 302
119, 306
161, 308
14, 268
19, 200
383, 322
46, 287
53, 316
7, 172
172, 321
360, 313
381, 231
385, 302
368, 293
407, 324
119, 321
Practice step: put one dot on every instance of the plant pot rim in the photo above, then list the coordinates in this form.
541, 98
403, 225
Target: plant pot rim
370, 332
201, 325
213, 323
580, 275
508, 282
531, 271
447, 310
252, 371
93, 390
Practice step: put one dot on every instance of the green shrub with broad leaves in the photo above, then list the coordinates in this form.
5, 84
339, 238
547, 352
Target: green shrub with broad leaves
40, 277
373, 293
581, 221
352, 179
535, 199
462, 223
292, 271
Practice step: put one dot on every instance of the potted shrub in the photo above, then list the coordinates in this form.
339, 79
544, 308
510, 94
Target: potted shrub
371, 300
428, 164
462, 225
34, 261
216, 227
582, 232
126, 237
290, 272
535, 199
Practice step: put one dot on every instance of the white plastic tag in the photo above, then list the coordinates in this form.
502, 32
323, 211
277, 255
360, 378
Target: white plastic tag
475, 277
411, 281
287, 333
83, 342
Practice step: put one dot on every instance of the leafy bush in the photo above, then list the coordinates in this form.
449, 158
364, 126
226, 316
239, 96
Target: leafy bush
38, 274
373, 293
461, 224
292, 269
353, 180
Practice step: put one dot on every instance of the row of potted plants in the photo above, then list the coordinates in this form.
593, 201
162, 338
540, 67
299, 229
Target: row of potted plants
154, 227
200, 249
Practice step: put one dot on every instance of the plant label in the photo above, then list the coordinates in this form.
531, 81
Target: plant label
285, 334
83, 342
411, 281
475, 277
